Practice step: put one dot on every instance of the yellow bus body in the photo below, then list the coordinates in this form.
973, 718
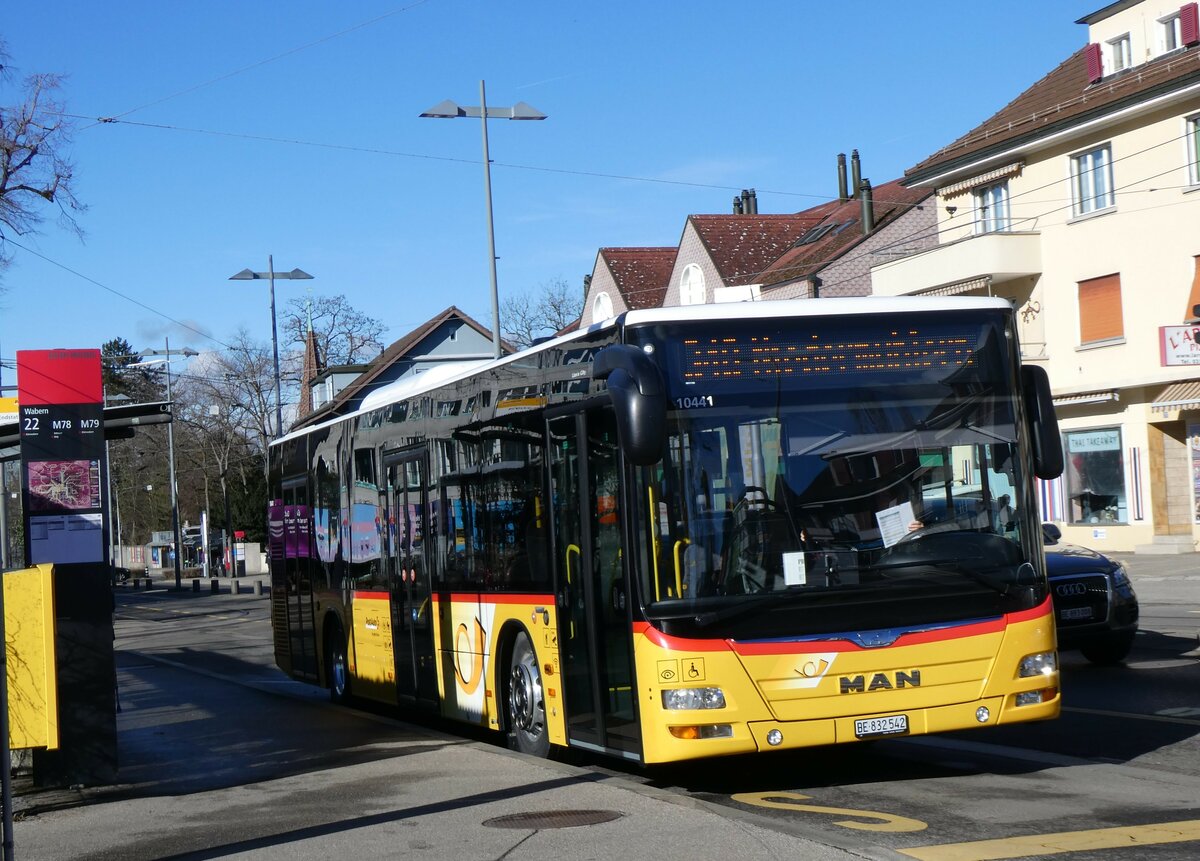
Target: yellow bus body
809, 692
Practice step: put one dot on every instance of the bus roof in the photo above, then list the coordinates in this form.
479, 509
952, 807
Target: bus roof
842, 307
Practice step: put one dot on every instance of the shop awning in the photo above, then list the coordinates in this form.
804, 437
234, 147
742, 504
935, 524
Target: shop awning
1177, 396
1086, 398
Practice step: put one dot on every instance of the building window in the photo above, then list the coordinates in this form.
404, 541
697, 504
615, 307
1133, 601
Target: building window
991, 208
1100, 316
602, 307
1193, 145
1120, 53
691, 286
1091, 180
1170, 33
1095, 476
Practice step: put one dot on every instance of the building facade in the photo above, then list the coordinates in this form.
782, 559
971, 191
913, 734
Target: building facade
1080, 202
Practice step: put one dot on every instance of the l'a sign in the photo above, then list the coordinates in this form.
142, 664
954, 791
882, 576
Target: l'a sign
1179, 345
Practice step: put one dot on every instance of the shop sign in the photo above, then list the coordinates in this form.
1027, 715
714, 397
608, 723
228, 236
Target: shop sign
1179, 345
1101, 440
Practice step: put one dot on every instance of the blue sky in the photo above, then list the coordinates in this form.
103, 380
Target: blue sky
291, 128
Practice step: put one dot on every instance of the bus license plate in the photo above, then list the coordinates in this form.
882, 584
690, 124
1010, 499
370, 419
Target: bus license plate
890, 725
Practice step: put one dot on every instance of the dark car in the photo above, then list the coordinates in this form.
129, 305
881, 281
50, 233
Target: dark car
1095, 607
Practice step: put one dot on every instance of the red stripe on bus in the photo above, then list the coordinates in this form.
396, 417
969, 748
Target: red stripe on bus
782, 647
499, 598
471, 597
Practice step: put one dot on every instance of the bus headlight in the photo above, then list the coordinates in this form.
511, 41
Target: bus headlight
682, 699
1041, 664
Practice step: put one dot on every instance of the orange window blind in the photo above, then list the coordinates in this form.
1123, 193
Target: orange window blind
1194, 296
1100, 309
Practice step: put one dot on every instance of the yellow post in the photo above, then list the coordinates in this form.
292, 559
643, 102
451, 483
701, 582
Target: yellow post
29, 633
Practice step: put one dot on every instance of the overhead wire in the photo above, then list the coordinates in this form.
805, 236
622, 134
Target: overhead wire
260, 63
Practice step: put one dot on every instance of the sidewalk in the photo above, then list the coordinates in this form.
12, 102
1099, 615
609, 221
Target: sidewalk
221, 757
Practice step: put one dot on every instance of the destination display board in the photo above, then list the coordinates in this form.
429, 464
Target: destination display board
61, 418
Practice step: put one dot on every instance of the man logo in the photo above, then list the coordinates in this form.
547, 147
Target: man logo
880, 682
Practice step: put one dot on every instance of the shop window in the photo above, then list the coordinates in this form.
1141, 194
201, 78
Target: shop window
1095, 476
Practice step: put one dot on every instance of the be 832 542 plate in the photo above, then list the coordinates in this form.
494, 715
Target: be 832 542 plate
889, 725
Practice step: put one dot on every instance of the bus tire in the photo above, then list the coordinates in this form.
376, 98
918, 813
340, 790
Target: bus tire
337, 670
524, 701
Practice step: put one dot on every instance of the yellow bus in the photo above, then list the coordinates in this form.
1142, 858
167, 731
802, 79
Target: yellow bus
687, 532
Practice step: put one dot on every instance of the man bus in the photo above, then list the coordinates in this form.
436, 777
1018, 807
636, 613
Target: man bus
686, 532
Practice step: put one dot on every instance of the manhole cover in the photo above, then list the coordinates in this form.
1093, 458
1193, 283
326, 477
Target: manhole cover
553, 819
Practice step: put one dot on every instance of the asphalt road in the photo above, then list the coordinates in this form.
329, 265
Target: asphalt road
223, 757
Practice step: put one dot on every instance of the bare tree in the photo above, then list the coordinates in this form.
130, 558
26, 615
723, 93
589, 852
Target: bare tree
345, 335
540, 312
34, 169
226, 414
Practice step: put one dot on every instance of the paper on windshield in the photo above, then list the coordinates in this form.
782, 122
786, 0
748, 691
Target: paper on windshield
893, 522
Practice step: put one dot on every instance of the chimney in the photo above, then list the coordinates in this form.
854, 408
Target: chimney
868, 207
737, 205
855, 172
746, 201
753, 203
843, 194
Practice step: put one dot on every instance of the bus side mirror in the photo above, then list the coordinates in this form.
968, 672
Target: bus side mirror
639, 401
1043, 423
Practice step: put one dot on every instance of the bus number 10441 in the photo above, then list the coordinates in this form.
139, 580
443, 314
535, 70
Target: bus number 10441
692, 402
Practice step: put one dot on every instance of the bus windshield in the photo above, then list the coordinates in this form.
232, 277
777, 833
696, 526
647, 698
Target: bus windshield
821, 464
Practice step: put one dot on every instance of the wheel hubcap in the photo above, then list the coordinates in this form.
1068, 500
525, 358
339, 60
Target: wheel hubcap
339, 672
524, 697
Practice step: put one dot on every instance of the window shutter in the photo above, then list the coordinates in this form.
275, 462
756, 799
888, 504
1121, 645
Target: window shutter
1100, 309
1189, 24
1095, 67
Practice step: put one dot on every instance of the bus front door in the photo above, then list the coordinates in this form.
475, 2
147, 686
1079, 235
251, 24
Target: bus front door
412, 631
595, 641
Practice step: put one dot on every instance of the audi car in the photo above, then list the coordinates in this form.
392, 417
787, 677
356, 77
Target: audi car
1094, 603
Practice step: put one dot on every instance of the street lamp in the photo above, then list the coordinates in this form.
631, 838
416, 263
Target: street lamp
187, 352
519, 111
271, 275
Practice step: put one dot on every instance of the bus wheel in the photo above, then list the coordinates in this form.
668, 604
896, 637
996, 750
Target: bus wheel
335, 666
525, 703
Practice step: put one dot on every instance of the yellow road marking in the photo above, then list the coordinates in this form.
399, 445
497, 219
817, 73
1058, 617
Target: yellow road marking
884, 821
1061, 842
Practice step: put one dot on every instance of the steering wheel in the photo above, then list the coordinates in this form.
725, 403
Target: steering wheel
763, 499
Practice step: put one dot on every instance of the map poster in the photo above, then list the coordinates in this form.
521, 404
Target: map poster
61, 415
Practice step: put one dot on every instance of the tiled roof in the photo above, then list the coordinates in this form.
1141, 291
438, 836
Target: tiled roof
399, 349
741, 246
641, 274
1061, 99
844, 223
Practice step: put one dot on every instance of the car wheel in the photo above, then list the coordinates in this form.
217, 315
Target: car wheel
1110, 650
336, 669
525, 704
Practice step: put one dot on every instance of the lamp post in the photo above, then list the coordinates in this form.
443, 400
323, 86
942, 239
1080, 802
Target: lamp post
178, 551
519, 111
271, 275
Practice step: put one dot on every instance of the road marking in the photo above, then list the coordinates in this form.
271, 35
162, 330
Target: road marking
1033, 845
1133, 716
883, 821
